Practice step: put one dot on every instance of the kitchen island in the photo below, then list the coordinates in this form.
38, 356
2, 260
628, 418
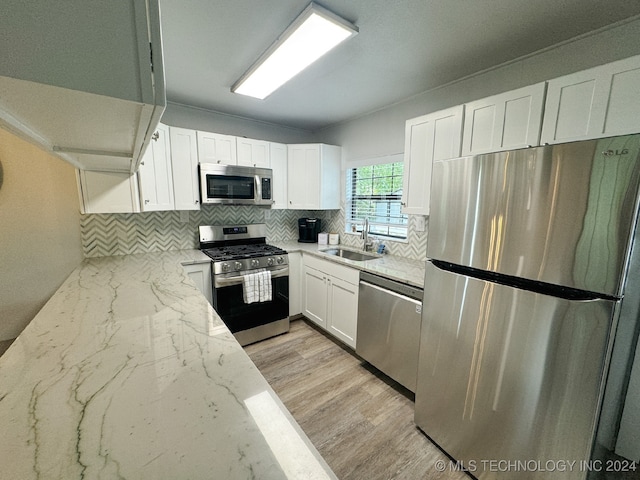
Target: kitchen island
127, 372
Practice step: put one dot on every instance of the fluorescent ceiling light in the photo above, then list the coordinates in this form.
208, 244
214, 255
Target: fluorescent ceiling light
311, 35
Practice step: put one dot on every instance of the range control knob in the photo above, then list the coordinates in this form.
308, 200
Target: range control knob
255, 263
280, 260
225, 267
270, 261
237, 265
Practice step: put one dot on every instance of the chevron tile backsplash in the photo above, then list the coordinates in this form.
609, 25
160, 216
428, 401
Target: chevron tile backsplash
127, 233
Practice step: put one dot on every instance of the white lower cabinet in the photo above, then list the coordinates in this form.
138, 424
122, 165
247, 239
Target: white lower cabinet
295, 283
200, 273
330, 297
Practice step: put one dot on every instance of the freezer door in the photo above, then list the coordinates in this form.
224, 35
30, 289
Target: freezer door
560, 214
508, 374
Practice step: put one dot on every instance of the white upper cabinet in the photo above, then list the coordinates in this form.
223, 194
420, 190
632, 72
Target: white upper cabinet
600, 102
504, 122
217, 148
184, 164
155, 176
313, 177
278, 155
253, 153
83, 79
436, 136
108, 192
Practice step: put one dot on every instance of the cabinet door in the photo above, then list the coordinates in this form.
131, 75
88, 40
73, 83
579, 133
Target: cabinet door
278, 154
342, 318
503, 122
200, 273
217, 148
304, 176
436, 136
184, 164
600, 102
295, 283
253, 153
315, 296
108, 192
156, 178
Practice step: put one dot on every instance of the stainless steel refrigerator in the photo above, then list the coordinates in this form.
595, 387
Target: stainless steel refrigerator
528, 255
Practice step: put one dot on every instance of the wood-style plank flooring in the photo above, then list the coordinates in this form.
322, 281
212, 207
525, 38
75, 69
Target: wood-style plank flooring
360, 421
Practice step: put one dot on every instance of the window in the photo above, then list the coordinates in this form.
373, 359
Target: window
375, 192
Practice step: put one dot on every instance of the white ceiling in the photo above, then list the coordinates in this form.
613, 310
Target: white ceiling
404, 47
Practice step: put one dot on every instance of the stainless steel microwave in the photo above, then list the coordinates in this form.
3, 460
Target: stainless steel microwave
233, 185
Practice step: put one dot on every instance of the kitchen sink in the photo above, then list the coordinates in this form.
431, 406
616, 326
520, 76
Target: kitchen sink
350, 254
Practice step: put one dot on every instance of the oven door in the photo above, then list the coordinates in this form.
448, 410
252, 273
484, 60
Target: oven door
228, 301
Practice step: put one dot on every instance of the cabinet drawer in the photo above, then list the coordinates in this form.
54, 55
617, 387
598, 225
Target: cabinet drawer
346, 274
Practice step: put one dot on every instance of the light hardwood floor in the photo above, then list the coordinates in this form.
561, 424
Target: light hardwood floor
360, 421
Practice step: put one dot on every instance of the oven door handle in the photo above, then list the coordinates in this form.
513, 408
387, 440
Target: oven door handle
220, 281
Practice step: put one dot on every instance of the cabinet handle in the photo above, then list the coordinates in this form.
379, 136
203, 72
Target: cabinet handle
155, 136
197, 202
404, 204
146, 202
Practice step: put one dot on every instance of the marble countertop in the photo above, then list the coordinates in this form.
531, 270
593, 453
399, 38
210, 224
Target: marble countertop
397, 268
128, 373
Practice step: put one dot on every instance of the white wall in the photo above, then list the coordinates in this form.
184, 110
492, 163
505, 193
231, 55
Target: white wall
382, 132
39, 230
200, 119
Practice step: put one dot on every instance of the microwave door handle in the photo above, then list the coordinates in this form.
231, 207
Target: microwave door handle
258, 187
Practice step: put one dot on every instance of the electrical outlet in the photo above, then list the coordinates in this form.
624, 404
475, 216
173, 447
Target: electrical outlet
267, 214
421, 224
184, 216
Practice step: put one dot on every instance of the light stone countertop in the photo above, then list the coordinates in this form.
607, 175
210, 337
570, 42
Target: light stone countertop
128, 373
397, 268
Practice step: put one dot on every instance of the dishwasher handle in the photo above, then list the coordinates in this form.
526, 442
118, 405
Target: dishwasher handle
391, 293
387, 284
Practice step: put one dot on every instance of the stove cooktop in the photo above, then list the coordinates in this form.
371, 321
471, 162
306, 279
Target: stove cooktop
238, 252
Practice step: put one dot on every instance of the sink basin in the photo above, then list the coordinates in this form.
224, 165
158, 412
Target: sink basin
350, 254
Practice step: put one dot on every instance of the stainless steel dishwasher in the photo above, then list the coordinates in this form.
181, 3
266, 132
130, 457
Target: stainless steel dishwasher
389, 319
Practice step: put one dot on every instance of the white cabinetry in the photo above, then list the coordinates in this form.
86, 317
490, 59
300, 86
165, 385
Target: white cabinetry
200, 273
155, 176
313, 177
253, 153
184, 164
217, 148
295, 283
278, 154
108, 192
83, 80
435, 136
600, 102
330, 297
504, 122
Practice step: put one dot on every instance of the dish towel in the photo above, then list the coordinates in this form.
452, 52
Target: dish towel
256, 286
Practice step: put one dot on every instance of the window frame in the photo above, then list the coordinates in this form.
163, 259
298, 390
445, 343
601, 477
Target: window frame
353, 223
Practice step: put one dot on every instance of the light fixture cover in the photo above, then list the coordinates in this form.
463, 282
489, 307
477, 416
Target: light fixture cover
311, 35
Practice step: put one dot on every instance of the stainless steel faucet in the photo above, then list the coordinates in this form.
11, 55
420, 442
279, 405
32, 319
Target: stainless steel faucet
365, 235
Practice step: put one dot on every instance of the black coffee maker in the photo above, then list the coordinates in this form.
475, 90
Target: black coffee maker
308, 229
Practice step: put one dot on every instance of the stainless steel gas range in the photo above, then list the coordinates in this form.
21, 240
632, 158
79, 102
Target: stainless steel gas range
242, 260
